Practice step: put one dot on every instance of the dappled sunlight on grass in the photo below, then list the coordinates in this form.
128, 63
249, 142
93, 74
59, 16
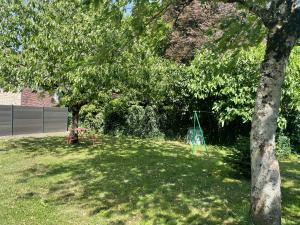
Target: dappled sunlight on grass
122, 181
291, 190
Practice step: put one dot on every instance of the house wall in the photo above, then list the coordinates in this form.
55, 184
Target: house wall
8, 98
29, 98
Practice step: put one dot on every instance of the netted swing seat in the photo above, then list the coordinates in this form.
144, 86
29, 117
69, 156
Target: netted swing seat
197, 140
195, 135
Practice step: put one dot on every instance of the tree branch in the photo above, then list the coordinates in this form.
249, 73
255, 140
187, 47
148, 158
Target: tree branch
266, 14
179, 6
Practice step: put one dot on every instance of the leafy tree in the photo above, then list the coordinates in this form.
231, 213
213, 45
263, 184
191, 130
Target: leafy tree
281, 19
291, 89
80, 49
281, 24
70, 50
15, 17
230, 79
192, 27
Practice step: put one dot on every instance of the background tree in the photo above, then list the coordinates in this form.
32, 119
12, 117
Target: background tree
16, 17
193, 27
78, 65
281, 21
75, 57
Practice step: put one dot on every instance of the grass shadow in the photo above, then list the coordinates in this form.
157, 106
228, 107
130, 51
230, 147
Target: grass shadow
122, 177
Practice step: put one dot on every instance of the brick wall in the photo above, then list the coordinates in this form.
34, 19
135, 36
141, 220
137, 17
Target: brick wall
29, 98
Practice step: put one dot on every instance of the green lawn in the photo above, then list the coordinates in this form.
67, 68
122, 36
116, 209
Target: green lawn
127, 181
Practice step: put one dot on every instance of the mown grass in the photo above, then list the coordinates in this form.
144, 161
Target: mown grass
127, 181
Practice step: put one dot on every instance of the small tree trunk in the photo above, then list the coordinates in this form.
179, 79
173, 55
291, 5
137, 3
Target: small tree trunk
75, 118
265, 180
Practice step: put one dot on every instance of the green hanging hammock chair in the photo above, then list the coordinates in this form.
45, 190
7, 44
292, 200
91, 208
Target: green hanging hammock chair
195, 135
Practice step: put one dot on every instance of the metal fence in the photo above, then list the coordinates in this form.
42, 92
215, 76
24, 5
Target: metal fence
15, 120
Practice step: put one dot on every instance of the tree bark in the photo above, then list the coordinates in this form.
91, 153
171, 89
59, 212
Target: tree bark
265, 178
75, 118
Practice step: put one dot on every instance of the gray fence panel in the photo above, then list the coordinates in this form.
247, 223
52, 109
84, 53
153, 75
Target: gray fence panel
27, 120
16, 120
55, 119
5, 120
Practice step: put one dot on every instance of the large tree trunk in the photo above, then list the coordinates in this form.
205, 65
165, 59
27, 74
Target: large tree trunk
265, 181
75, 118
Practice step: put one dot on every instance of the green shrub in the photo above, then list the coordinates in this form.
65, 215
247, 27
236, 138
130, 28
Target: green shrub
135, 121
142, 122
115, 116
91, 116
283, 146
94, 122
151, 123
240, 158
295, 131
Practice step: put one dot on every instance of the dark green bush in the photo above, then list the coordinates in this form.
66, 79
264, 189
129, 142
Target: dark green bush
91, 116
115, 116
240, 158
283, 146
94, 122
142, 122
151, 123
135, 121
295, 129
